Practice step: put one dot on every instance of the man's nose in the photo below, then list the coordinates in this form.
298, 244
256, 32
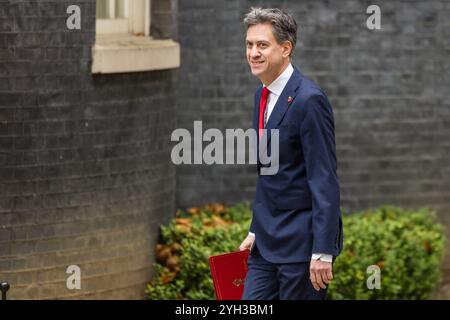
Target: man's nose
254, 52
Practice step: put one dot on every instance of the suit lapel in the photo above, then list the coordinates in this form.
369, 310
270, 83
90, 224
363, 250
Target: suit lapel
280, 108
284, 101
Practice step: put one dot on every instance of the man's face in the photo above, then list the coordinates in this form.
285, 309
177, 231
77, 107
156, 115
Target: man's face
265, 56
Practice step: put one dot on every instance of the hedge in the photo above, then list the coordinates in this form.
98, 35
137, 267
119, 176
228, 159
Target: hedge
406, 246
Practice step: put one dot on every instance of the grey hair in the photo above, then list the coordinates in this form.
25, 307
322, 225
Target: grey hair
284, 27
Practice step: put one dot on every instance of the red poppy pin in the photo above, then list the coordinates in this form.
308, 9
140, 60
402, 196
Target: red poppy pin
289, 99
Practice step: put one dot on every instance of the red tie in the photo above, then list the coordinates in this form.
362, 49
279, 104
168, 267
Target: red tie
262, 108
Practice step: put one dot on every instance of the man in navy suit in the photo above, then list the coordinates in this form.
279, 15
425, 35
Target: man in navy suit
296, 230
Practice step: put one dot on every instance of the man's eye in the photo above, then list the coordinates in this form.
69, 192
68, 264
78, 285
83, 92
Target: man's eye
263, 45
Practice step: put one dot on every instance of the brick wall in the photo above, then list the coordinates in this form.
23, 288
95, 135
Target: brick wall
214, 86
85, 172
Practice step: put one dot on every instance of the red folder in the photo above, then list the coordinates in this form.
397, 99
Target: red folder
228, 272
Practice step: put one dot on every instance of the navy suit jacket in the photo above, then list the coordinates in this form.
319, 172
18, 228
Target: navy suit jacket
296, 212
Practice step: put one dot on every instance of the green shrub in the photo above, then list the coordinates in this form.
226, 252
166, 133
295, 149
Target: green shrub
201, 233
406, 245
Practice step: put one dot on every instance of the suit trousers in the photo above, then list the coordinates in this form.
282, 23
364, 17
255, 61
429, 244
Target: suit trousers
278, 281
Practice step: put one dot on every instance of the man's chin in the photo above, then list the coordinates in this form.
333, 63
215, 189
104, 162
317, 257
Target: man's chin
257, 72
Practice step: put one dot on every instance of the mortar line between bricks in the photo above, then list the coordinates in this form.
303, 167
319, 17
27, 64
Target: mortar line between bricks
81, 133
121, 201
90, 293
90, 190
94, 175
149, 140
138, 157
138, 215
132, 198
77, 235
93, 203
66, 250
148, 268
76, 134
65, 265
75, 250
146, 253
71, 250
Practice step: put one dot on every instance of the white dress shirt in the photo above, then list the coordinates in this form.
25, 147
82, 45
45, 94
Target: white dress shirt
275, 89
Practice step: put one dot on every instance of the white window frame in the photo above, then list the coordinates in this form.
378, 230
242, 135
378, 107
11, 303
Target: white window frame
125, 44
136, 21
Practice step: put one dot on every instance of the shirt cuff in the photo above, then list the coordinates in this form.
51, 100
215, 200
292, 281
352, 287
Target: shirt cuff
251, 234
322, 257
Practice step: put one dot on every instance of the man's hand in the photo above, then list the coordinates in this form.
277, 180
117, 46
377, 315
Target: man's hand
320, 273
247, 243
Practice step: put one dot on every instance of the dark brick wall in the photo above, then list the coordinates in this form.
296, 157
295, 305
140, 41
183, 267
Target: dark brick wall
388, 88
214, 86
85, 172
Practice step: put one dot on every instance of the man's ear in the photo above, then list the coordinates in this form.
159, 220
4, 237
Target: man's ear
286, 47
